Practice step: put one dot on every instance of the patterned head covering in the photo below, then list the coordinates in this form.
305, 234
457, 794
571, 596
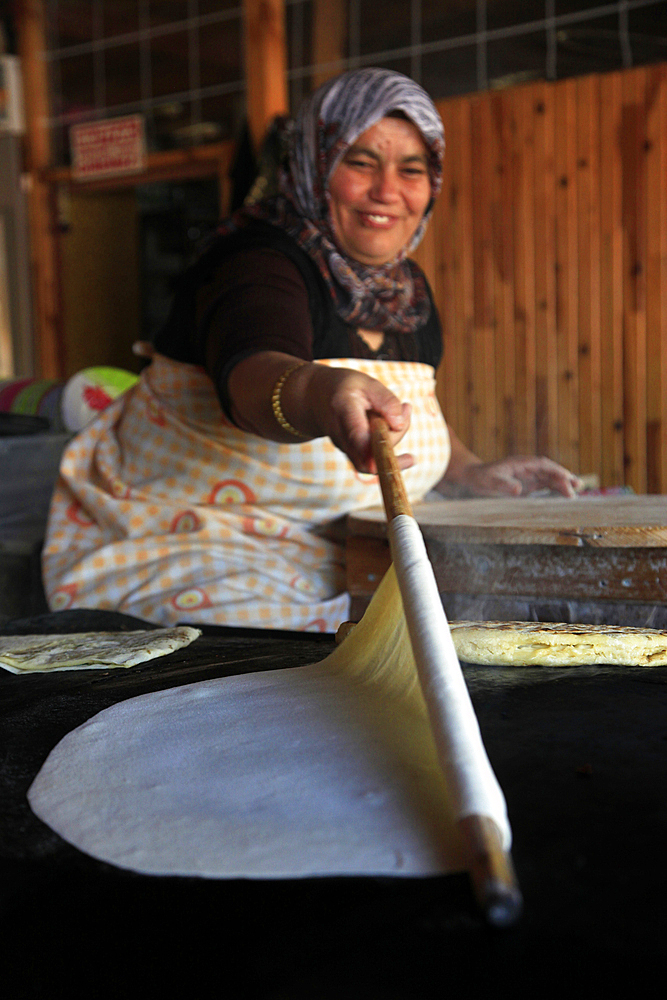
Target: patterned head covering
390, 297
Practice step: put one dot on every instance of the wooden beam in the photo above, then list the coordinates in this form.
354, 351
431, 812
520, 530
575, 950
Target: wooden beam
265, 64
49, 349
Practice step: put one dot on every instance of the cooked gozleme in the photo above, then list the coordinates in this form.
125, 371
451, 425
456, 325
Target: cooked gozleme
90, 650
556, 644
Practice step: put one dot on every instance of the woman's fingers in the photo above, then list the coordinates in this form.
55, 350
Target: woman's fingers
537, 473
520, 475
398, 421
346, 409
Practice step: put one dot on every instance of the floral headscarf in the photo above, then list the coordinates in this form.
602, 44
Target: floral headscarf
390, 297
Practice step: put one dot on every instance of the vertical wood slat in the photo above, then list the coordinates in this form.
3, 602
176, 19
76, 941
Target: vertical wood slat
656, 277
440, 272
483, 415
552, 274
455, 300
503, 241
566, 276
612, 469
460, 251
466, 265
634, 316
524, 288
588, 189
546, 355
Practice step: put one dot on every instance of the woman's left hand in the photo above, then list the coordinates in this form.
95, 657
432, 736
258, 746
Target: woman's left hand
517, 476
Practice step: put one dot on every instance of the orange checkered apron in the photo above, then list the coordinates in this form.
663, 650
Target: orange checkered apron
166, 511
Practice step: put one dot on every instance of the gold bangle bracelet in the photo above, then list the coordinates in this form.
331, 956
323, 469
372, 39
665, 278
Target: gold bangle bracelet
275, 401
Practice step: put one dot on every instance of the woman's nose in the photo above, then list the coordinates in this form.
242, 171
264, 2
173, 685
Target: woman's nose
385, 186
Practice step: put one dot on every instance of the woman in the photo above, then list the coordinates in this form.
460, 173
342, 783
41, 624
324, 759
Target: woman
210, 492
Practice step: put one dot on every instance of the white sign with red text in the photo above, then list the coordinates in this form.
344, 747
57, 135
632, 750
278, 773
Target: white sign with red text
108, 148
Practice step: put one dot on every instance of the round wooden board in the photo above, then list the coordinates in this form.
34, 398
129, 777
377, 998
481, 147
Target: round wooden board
625, 521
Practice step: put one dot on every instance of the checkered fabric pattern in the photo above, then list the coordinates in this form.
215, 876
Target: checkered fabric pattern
165, 511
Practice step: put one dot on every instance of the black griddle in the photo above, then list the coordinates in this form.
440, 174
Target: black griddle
581, 755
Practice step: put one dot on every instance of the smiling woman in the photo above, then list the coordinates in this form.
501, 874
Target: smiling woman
303, 318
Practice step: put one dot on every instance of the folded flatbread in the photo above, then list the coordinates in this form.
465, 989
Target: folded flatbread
547, 644
90, 650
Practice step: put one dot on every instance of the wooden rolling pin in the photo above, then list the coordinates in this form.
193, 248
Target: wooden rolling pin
489, 864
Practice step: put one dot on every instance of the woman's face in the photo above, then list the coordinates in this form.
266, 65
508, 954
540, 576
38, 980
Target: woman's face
380, 191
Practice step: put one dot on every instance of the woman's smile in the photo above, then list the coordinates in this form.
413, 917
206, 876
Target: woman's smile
377, 220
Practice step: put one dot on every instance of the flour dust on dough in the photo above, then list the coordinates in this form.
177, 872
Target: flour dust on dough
317, 770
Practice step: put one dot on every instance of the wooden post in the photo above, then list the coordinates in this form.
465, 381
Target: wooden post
329, 38
265, 64
6, 346
49, 349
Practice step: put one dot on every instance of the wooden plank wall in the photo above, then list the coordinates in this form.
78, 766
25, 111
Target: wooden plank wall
548, 258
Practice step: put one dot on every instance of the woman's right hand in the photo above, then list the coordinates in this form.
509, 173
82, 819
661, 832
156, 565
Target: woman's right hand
342, 402
317, 401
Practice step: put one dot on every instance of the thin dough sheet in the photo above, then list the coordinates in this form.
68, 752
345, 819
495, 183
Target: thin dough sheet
319, 770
